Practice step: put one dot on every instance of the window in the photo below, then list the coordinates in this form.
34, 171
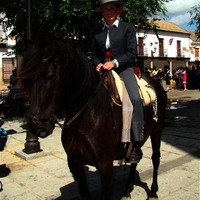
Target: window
8, 64
161, 47
178, 44
140, 46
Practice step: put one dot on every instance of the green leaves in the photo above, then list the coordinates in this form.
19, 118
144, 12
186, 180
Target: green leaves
75, 18
195, 19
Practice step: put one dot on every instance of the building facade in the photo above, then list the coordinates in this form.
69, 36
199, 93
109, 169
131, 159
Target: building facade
195, 49
7, 58
172, 47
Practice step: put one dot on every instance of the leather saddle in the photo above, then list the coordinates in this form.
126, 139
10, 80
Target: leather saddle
112, 88
113, 82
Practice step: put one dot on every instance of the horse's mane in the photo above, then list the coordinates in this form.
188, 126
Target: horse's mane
50, 49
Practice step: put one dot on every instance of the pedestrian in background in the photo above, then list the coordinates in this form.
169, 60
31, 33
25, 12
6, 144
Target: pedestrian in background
168, 77
154, 72
13, 79
184, 78
160, 76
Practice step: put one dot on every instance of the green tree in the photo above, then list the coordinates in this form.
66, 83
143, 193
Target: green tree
76, 18
195, 18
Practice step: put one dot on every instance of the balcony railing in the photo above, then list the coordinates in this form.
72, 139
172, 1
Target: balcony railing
180, 54
145, 51
165, 52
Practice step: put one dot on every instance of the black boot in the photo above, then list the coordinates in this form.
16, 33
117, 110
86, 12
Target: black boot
136, 154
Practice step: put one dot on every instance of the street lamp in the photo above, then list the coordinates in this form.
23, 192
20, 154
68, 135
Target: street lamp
32, 145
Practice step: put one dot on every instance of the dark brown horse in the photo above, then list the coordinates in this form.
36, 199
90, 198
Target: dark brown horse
60, 82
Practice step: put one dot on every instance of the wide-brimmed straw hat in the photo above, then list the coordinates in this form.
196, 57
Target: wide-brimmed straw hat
103, 2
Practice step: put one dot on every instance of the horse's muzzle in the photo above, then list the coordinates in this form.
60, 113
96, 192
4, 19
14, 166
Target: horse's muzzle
42, 133
41, 128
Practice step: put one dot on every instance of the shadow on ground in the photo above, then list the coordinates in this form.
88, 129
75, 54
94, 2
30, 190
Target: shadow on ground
4, 171
119, 182
182, 126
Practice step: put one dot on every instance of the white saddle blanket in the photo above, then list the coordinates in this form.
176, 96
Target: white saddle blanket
147, 95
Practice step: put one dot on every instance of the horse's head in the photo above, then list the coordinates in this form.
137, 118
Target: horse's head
56, 79
39, 78
42, 96
42, 111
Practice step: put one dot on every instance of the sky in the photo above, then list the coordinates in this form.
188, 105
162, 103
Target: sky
178, 12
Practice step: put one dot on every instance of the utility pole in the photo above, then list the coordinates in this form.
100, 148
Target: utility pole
29, 19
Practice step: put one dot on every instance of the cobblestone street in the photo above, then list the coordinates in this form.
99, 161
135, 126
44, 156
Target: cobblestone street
48, 177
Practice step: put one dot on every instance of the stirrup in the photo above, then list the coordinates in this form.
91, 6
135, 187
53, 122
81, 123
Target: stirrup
155, 118
136, 155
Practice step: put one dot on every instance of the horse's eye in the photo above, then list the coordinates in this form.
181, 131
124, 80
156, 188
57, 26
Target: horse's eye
50, 77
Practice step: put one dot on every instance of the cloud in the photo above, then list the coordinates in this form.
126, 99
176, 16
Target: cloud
178, 11
180, 18
179, 7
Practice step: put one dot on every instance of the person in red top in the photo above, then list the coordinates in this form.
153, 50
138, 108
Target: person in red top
184, 78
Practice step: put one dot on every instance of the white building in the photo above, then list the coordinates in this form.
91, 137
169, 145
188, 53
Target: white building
7, 58
195, 49
173, 46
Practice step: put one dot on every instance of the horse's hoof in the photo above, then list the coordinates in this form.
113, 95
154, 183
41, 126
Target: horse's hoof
126, 198
1, 186
152, 198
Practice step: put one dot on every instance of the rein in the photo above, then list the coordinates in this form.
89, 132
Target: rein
52, 117
66, 124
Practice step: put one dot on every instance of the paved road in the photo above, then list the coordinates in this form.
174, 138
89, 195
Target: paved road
48, 177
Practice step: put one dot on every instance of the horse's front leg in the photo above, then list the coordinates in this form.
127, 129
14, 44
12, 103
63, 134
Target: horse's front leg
78, 171
130, 184
105, 169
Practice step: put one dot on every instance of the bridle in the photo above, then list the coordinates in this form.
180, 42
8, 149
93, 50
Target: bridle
35, 118
51, 116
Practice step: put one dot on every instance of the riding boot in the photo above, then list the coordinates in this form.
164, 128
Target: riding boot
136, 154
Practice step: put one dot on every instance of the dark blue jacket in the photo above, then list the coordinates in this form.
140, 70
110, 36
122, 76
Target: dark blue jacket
123, 44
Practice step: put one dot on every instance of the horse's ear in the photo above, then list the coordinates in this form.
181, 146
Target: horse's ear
45, 42
25, 41
45, 38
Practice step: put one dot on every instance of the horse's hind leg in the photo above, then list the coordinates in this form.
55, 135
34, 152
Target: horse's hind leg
155, 141
78, 171
130, 184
